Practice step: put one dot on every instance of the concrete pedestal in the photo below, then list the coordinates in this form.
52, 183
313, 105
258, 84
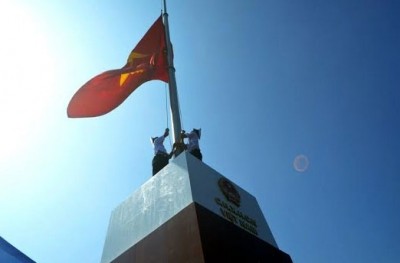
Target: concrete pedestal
188, 212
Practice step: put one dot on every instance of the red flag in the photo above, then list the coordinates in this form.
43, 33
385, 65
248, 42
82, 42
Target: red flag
105, 92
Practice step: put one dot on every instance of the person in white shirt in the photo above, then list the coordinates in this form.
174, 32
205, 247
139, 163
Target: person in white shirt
161, 157
193, 142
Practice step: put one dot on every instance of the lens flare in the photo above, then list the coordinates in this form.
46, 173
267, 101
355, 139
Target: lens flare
301, 163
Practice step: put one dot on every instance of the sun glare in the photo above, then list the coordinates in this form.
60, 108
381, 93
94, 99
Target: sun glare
27, 78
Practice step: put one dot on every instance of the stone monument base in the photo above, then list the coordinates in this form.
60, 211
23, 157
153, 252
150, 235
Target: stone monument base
196, 235
189, 213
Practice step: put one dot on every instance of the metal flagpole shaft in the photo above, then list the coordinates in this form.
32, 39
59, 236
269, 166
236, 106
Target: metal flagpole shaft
173, 94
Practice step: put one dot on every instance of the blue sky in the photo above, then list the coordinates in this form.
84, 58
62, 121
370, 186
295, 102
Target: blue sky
265, 80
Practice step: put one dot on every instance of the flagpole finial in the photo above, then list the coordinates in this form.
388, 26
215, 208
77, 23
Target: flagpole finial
165, 6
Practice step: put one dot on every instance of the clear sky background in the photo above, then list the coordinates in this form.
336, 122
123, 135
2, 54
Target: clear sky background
265, 80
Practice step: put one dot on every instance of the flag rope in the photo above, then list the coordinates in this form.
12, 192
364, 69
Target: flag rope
166, 110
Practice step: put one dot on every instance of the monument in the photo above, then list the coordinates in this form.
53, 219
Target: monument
187, 212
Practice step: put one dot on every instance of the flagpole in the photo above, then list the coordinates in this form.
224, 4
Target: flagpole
173, 93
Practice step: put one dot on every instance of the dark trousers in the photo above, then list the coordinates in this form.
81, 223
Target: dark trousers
159, 162
196, 153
